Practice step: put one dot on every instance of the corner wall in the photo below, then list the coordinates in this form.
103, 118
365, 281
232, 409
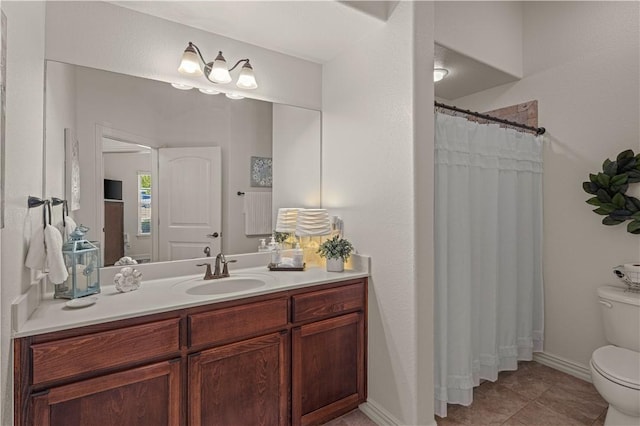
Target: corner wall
370, 132
582, 65
23, 166
487, 31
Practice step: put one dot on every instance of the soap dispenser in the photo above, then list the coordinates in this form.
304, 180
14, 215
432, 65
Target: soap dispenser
263, 245
274, 248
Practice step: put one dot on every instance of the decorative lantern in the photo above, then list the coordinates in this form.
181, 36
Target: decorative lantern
82, 259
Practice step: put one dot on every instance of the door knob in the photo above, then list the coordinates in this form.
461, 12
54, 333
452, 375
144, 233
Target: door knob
214, 235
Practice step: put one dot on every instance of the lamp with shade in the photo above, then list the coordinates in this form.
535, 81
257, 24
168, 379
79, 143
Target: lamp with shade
311, 226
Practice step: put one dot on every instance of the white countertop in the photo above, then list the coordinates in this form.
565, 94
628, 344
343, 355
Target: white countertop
163, 295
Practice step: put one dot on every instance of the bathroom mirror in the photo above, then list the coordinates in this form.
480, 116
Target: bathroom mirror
124, 124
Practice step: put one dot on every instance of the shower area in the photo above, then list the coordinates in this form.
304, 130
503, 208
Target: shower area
488, 249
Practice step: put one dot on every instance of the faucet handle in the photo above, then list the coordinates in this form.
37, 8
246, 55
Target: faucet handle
225, 269
207, 273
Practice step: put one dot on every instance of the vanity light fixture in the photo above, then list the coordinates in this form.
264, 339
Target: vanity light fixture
234, 96
217, 71
181, 86
439, 74
209, 91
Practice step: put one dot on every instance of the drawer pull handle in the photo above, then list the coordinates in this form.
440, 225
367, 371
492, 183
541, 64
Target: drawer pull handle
605, 303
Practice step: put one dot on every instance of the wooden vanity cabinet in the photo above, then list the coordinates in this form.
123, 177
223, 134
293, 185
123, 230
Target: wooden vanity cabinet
142, 396
243, 383
328, 353
295, 357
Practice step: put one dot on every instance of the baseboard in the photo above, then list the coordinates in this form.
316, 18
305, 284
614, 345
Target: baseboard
379, 415
562, 364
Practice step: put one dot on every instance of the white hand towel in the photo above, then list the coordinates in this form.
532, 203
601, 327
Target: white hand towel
67, 228
55, 260
36, 256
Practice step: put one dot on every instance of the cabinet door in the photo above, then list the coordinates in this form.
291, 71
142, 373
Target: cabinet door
142, 396
243, 383
328, 368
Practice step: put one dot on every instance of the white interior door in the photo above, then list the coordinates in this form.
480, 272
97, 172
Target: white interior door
190, 202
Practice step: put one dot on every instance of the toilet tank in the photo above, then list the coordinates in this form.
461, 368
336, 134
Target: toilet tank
621, 316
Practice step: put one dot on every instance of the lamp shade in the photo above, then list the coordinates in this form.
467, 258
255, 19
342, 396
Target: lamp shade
190, 63
287, 219
246, 79
219, 71
312, 222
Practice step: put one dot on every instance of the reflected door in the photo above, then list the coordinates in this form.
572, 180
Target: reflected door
190, 202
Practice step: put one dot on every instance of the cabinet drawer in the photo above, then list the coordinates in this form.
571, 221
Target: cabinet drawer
327, 303
237, 322
65, 358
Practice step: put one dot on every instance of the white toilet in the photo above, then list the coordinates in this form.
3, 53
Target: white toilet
615, 369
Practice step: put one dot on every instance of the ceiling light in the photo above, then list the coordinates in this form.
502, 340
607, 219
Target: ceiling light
234, 95
181, 86
217, 71
439, 74
209, 91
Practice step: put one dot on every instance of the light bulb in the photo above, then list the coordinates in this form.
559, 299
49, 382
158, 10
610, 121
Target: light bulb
181, 86
219, 71
209, 91
190, 63
439, 74
246, 79
234, 96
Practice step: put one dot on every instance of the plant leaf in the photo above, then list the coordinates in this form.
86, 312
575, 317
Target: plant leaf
590, 187
621, 214
602, 211
594, 201
634, 227
593, 178
619, 179
611, 221
610, 168
603, 196
618, 200
604, 180
625, 154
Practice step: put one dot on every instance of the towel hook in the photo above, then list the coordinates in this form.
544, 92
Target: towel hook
35, 202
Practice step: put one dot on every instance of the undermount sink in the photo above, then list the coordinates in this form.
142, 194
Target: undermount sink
233, 284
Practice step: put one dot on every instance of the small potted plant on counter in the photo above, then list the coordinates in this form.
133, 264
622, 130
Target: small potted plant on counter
337, 250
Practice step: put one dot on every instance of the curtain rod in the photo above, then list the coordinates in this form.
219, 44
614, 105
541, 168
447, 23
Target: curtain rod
537, 130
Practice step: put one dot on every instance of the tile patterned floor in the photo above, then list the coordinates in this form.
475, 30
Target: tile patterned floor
534, 395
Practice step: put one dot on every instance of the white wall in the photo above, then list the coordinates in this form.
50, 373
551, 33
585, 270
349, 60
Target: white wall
125, 167
296, 158
60, 113
23, 166
368, 178
104, 36
582, 65
488, 31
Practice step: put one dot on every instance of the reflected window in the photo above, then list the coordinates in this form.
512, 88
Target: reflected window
144, 203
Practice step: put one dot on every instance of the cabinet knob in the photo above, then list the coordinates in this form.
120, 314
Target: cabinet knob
214, 235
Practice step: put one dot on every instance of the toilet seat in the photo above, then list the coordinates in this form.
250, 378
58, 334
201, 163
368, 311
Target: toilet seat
619, 365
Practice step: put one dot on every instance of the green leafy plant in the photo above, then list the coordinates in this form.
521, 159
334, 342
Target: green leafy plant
280, 237
336, 248
609, 188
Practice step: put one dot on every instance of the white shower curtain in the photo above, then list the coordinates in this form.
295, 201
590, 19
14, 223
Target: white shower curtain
488, 292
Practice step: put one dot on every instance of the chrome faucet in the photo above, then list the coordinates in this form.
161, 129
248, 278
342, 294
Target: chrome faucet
220, 259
